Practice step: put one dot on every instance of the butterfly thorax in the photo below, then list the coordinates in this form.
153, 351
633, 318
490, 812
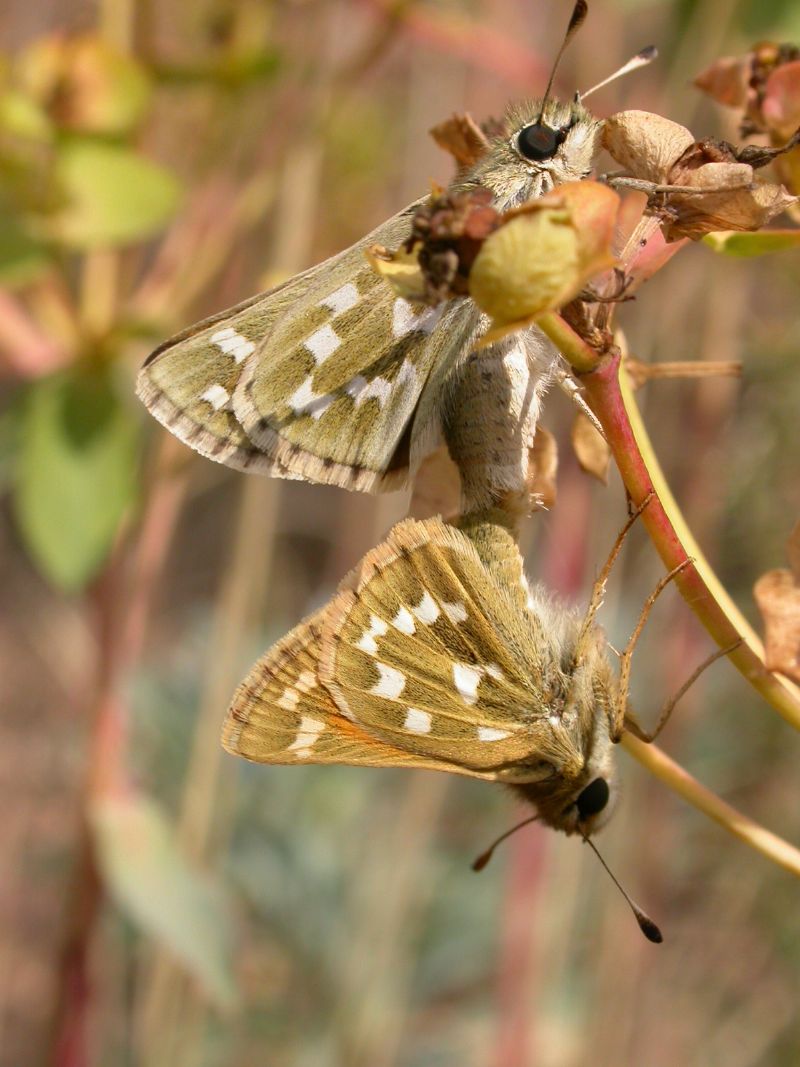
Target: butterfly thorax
537, 151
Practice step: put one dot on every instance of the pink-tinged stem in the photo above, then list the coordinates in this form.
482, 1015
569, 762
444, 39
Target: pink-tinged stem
611, 398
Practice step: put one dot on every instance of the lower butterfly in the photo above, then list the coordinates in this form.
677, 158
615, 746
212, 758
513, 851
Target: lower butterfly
435, 653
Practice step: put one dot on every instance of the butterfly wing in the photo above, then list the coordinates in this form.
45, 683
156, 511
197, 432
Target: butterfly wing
187, 383
318, 379
425, 651
332, 392
422, 659
281, 712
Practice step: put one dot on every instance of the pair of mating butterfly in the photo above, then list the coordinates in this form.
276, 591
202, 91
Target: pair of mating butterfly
428, 656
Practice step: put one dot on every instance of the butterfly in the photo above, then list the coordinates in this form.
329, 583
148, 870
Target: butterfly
333, 378
436, 653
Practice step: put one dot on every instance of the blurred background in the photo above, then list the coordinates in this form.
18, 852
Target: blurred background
164, 903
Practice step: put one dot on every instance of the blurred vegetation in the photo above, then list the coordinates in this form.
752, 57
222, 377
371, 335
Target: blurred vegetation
164, 904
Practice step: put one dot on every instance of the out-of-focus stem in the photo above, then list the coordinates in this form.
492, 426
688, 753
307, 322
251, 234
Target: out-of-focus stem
762, 840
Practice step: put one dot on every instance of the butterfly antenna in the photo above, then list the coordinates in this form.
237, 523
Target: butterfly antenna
484, 857
641, 59
646, 924
579, 13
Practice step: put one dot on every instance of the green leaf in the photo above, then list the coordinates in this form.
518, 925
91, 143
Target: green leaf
157, 888
76, 473
760, 243
22, 257
113, 196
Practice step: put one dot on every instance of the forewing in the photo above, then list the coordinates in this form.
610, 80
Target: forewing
281, 713
417, 652
188, 382
332, 392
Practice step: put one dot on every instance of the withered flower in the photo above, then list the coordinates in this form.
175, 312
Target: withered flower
722, 192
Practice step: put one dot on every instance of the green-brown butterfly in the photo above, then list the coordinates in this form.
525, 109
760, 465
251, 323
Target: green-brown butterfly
333, 378
437, 654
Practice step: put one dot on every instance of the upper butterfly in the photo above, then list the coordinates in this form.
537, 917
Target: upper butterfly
322, 378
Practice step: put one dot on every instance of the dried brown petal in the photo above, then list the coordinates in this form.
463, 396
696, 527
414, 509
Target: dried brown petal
591, 449
543, 468
646, 144
742, 209
778, 597
726, 80
463, 138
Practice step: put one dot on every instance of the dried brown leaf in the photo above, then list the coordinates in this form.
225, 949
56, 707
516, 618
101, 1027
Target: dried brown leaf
463, 138
591, 448
778, 597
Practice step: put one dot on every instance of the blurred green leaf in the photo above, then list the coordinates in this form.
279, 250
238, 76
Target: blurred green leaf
162, 893
22, 257
760, 243
22, 117
114, 196
76, 473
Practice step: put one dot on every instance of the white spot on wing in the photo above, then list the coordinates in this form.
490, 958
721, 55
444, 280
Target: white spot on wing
404, 621
391, 682
289, 700
216, 396
427, 610
322, 343
367, 642
489, 733
342, 300
495, 672
307, 735
361, 390
304, 401
405, 320
456, 612
232, 343
417, 722
467, 678
306, 681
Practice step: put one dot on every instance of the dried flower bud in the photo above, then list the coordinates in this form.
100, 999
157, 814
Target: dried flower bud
646, 144
545, 253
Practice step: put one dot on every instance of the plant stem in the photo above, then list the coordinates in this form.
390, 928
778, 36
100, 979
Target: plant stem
611, 398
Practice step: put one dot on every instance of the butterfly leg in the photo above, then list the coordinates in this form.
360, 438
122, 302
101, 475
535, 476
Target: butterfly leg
599, 587
570, 388
648, 736
619, 713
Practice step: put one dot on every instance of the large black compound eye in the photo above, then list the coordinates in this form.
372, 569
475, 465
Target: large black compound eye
539, 142
593, 799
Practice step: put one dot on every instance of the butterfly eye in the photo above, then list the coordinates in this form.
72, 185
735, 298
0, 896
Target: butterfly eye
539, 142
593, 799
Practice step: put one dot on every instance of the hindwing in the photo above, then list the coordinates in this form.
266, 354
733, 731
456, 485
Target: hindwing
422, 659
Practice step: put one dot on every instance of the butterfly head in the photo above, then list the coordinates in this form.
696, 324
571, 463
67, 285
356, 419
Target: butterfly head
578, 796
540, 147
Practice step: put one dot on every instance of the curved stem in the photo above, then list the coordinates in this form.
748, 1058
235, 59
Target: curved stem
611, 398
